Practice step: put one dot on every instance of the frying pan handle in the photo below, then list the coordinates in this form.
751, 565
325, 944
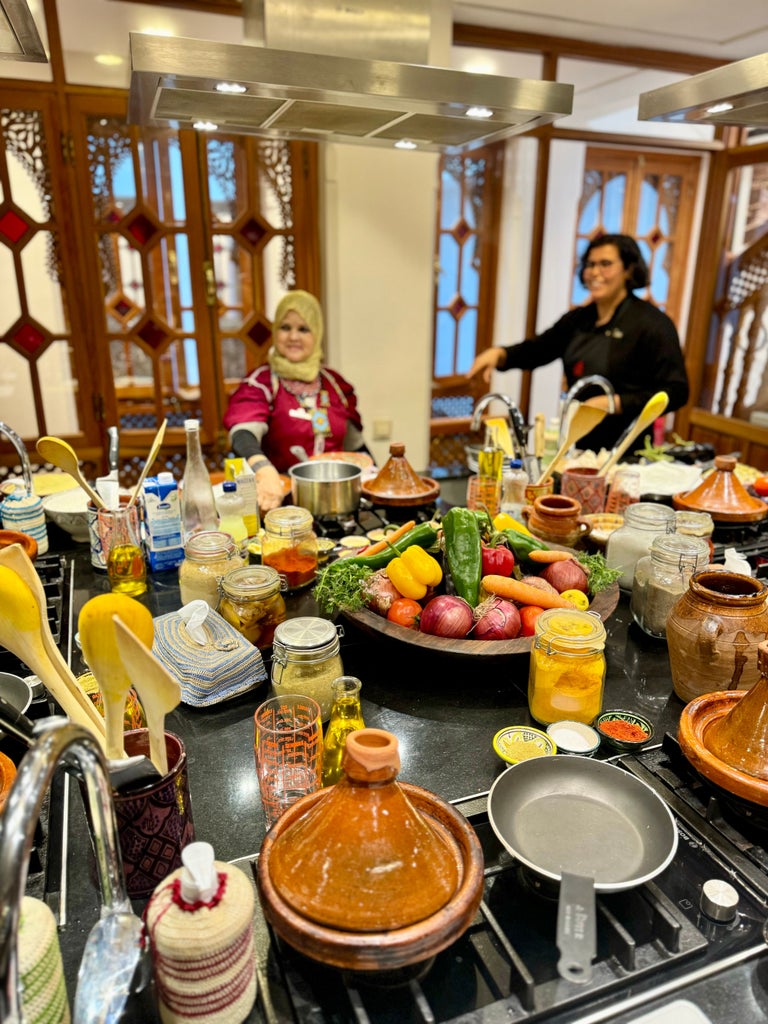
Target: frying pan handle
576, 928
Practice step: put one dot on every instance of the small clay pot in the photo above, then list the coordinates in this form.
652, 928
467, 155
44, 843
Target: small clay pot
557, 519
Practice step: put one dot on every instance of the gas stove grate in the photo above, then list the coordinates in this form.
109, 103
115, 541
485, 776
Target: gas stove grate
50, 569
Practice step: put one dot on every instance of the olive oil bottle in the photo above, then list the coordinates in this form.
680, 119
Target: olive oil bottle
346, 717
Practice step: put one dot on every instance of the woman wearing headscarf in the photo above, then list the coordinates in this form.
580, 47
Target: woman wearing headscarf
292, 401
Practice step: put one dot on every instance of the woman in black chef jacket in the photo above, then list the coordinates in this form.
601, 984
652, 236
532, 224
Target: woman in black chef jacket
627, 340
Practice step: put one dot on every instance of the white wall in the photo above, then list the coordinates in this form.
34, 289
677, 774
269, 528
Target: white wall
379, 211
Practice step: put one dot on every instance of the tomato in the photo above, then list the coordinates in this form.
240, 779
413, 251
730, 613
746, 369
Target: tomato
761, 486
528, 615
497, 561
405, 612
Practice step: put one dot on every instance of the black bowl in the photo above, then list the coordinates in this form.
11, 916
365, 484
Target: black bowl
630, 718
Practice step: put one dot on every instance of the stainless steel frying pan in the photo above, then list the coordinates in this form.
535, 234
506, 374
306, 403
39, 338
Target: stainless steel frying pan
590, 826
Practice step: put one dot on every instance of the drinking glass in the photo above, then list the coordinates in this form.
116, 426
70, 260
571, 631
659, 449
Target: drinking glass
288, 749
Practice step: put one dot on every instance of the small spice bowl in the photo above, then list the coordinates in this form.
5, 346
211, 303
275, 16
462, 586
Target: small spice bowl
622, 730
520, 743
574, 738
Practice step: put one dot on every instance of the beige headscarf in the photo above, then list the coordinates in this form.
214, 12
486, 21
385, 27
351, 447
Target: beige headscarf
309, 310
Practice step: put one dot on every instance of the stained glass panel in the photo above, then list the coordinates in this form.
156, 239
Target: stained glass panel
467, 337
613, 203
445, 333
43, 294
56, 368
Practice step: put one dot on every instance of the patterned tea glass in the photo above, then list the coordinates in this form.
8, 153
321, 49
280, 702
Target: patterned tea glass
288, 748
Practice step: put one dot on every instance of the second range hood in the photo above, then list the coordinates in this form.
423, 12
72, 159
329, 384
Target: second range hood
735, 94
324, 97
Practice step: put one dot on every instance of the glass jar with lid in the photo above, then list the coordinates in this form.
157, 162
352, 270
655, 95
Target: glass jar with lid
306, 660
251, 601
662, 577
208, 556
696, 524
289, 545
643, 522
567, 668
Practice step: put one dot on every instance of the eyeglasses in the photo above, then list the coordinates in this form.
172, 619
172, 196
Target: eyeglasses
599, 264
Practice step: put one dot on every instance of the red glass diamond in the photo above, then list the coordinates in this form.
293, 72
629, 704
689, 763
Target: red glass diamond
457, 307
260, 333
29, 338
142, 229
13, 226
461, 230
253, 232
153, 334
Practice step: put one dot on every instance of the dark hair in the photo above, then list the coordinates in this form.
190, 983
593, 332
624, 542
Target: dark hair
630, 255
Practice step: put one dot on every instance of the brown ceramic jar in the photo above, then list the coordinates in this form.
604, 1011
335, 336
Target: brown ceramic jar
713, 633
556, 519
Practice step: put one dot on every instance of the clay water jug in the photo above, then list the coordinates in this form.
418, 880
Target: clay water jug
713, 633
556, 518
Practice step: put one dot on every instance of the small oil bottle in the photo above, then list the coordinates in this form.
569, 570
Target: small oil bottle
346, 717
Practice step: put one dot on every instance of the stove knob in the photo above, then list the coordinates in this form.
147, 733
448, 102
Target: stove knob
719, 900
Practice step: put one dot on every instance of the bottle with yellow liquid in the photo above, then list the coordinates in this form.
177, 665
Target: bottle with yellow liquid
126, 568
346, 717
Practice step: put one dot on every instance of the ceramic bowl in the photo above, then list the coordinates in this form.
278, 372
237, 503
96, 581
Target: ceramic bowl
574, 738
631, 719
603, 524
69, 511
520, 743
29, 544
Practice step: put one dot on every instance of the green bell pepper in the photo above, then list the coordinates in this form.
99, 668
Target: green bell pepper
463, 552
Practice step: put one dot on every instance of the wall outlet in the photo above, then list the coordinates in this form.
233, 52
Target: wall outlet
382, 430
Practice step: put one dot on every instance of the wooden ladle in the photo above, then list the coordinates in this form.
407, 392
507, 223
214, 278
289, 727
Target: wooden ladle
98, 638
60, 454
158, 691
584, 419
156, 443
650, 412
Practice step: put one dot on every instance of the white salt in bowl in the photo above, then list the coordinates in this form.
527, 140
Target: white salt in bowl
574, 738
69, 510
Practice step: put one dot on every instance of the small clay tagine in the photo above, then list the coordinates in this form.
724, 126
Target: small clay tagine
398, 484
723, 495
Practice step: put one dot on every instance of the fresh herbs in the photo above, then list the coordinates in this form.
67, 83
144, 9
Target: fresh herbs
600, 577
340, 585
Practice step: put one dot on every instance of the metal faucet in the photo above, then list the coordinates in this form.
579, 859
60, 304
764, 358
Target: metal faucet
519, 426
594, 379
75, 747
21, 451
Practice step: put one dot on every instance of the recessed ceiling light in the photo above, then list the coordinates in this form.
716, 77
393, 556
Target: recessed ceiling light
204, 126
233, 87
405, 144
109, 60
719, 108
479, 112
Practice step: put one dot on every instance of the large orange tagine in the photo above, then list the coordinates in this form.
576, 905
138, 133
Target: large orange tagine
370, 874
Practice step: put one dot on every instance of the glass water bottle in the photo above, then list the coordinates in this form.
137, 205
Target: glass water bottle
198, 506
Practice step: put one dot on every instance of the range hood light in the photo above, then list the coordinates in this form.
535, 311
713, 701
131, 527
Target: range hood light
479, 112
234, 88
205, 126
406, 144
719, 108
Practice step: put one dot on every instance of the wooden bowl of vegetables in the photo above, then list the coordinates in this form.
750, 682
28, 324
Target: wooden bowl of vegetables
479, 602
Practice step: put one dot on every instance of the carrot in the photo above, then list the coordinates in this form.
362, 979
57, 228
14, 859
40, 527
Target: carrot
548, 557
381, 545
523, 593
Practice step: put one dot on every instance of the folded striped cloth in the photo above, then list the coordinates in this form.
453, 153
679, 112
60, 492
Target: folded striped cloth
223, 666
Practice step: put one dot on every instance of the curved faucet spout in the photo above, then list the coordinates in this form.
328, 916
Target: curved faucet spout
519, 427
21, 451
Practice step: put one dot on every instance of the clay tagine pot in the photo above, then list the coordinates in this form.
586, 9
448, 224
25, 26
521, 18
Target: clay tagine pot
370, 874
725, 737
398, 484
557, 518
722, 494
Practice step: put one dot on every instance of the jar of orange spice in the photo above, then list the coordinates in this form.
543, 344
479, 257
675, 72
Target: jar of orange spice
290, 545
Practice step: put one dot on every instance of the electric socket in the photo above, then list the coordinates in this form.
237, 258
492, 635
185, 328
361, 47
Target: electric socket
382, 430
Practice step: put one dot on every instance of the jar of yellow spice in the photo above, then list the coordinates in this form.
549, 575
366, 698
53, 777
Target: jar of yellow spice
567, 668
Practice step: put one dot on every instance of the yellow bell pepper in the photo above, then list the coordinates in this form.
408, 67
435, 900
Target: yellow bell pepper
504, 521
413, 572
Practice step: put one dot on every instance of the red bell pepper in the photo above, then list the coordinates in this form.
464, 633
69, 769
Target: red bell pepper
497, 561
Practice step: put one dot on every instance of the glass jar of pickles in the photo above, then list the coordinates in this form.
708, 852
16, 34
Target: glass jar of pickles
306, 660
251, 601
289, 545
208, 556
567, 668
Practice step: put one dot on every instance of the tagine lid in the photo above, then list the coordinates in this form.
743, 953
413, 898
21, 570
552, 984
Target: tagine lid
364, 858
723, 495
398, 483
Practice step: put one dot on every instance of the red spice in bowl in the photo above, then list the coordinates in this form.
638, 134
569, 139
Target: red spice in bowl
619, 730
624, 730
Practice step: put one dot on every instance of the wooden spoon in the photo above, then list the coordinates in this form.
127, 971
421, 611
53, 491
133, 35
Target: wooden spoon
651, 411
20, 632
99, 642
15, 558
157, 442
60, 454
158, 691
584, 419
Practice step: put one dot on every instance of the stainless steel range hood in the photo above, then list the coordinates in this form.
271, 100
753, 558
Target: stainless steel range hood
19, 38
735, 94
328, 97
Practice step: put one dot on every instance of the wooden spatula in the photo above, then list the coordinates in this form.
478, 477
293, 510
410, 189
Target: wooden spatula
584, 419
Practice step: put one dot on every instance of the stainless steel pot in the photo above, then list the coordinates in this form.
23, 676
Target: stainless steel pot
326, 487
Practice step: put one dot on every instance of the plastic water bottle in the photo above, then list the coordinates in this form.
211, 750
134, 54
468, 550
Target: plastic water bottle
198, 506
232, 512
514, 480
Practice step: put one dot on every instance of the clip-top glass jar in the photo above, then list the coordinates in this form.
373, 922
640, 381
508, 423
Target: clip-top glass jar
251, 601
662, 577
208, 556
643, 522
696, 524
290, 545
567, 669
306, 659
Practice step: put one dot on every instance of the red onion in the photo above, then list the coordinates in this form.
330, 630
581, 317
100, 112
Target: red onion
567, 575
501, 621
446, 616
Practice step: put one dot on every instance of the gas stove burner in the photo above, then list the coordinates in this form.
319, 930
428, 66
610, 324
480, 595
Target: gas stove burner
397, 978
336, 526
536, 885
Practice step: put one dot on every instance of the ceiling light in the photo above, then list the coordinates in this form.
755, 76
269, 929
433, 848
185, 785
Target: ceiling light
231, 87
204, 126
109, 60
719, 108
479, 112
405, 144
